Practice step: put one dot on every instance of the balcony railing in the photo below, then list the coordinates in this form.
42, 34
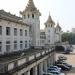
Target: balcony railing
15, 59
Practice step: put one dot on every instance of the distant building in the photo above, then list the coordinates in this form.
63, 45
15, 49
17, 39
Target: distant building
73, 30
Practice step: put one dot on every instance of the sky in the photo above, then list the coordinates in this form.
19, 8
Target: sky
62, 11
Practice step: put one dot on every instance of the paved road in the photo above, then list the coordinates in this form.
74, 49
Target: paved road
70, 60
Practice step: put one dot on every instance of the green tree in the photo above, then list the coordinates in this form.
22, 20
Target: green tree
68, 36
65, 37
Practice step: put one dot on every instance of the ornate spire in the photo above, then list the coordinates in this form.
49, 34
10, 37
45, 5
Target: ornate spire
31, 8
49, 20
58, 26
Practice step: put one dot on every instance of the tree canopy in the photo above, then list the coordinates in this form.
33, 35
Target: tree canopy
68, 36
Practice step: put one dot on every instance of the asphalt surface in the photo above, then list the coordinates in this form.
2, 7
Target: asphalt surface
70, 60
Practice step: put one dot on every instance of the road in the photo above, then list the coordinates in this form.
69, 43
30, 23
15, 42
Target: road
70, 60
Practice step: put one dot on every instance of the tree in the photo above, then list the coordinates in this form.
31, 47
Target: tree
65, 37
68, 36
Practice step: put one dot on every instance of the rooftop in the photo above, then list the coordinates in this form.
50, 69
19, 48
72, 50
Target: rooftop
58, 26
31, 8
10, 17
49, 20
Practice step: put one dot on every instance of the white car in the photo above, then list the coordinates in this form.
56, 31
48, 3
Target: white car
54, 71
56, 67
61, 74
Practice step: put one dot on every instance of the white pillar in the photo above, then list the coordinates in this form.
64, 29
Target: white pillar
51, 60
41, 68
48, 62
45, 65
35, 70
28, 72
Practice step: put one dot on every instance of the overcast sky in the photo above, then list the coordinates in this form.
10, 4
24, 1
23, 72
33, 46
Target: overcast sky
60, 10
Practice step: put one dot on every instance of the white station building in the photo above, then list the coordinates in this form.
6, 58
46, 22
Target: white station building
24, 48
19, 33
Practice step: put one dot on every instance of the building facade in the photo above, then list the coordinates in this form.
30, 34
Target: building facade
73, 30
24, 48
14, 34
51, 34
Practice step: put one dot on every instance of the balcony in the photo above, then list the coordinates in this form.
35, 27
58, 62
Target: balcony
13, 58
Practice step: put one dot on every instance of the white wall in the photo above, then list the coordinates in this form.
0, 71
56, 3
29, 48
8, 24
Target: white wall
11, 38
35, 27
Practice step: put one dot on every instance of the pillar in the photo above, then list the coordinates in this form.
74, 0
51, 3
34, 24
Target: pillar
45, 65
51, 60
35, 70
40, 68
48, 62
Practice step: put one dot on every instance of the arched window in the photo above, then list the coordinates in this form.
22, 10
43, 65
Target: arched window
32, 15
51, 25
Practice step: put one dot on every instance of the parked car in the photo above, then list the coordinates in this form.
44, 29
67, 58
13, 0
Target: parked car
61, 57
63, 66
68, 50
59, 62
61, 74
64, 63
52, 70
55, 67
67, 64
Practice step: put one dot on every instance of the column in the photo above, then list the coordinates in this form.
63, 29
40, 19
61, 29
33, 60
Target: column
49, 62
51, 59
28, 72
54, 56
41, 68
45, 65
35, 70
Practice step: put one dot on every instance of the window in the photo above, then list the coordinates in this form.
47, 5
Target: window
48, 30
49, 41
0, 30
15, 44
42, 41
21, 44
7, 46
28, 16
7, 30
25, 32
25, 44
33, 16
21, 32
0, 46
15, 31
46, 25
51, 25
